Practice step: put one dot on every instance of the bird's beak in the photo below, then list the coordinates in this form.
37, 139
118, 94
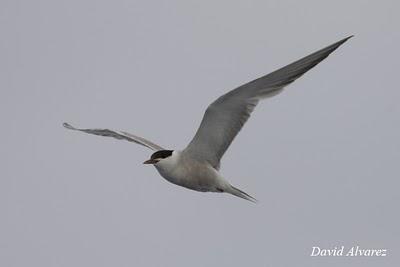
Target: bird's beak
150, 161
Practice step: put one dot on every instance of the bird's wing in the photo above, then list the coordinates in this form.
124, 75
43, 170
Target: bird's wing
119, 135
224, 118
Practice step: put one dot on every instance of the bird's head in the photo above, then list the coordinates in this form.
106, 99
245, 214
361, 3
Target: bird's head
159, 155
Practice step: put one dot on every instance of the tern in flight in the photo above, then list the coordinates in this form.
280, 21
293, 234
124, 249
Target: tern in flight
197, 166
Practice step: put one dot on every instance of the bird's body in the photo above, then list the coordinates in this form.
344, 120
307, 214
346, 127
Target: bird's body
188, 172
197, 166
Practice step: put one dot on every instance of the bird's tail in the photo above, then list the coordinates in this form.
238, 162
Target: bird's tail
239, 193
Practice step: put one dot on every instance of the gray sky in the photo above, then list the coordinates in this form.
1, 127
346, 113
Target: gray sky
322, 158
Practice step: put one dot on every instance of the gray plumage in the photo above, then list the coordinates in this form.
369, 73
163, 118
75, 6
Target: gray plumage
118, 135
225, 117
196, 167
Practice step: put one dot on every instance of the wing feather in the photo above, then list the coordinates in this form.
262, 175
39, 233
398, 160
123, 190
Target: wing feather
225, 117
118, 135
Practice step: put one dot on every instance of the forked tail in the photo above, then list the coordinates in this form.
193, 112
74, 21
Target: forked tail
239, 193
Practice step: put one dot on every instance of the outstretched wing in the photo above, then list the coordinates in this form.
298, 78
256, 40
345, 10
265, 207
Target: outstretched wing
225, 117
119, 135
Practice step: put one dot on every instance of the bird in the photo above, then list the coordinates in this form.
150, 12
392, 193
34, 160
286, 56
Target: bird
197, 166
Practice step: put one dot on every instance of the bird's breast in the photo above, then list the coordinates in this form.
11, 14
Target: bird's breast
189, 174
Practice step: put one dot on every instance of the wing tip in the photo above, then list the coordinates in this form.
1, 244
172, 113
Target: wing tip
347, 38
339, 43
68, 126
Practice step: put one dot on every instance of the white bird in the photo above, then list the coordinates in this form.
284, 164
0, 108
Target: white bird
197, 166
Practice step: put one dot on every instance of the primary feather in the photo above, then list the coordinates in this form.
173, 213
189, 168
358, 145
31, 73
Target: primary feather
225, 117
118, 135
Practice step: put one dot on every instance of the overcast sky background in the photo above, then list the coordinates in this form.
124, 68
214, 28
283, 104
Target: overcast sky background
322, 158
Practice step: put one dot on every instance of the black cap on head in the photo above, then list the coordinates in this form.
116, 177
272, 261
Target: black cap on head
162, 154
